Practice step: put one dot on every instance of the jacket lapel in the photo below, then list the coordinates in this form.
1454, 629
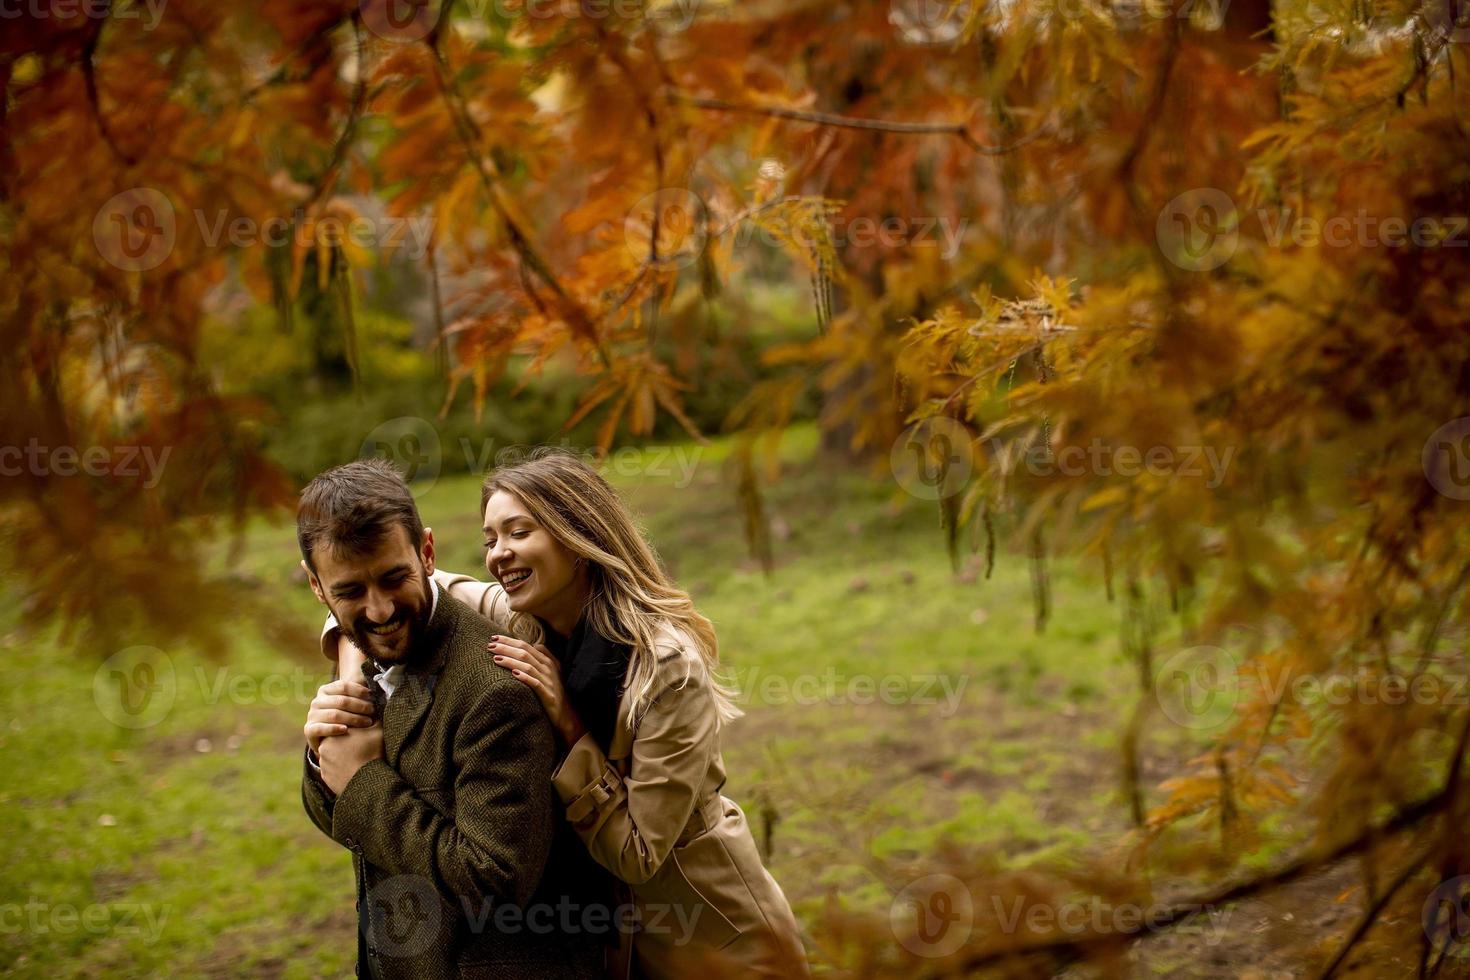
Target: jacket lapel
405, 711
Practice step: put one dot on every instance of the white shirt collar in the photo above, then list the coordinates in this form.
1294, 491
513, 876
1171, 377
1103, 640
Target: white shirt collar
389, 679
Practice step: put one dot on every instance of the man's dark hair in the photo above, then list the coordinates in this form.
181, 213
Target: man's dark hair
352, 507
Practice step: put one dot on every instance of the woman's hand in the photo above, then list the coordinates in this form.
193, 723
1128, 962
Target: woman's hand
337, 708
535, 667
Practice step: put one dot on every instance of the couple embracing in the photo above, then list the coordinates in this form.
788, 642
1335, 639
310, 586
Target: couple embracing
527, 771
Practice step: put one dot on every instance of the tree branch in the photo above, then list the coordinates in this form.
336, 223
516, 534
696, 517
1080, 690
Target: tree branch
469, 134
1371, 915
853, 122
89, 76
328, 178
1075, 947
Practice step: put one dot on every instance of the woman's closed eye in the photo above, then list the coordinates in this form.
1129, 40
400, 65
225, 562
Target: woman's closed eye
514, 534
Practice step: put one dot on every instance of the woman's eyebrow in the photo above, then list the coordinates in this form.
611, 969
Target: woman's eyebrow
489, 529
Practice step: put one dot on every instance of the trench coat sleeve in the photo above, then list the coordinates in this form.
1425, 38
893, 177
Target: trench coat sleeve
486, 598
330, 632
495, 846
630, 825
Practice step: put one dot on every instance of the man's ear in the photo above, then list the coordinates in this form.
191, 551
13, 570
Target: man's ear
426, 550
316, 583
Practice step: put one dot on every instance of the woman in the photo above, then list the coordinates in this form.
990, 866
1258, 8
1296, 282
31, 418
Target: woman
625, 668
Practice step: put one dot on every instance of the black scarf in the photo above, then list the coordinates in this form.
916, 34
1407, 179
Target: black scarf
593, 669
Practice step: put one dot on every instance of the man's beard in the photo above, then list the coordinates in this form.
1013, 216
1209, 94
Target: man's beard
402, 645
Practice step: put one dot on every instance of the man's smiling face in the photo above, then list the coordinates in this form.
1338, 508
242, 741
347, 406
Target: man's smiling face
381, 597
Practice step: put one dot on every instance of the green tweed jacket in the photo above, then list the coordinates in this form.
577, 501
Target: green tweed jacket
450, 831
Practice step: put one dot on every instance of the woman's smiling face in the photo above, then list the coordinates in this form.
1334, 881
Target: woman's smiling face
539, 573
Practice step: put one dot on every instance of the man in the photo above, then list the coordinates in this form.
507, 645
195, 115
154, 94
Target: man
445, 801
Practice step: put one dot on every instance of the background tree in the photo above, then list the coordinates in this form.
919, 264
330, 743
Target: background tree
1130, 183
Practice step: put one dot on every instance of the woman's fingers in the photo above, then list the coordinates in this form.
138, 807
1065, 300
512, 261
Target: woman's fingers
509, 644
534, 676
535, 683
514, 664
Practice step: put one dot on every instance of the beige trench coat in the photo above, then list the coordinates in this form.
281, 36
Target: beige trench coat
650, 811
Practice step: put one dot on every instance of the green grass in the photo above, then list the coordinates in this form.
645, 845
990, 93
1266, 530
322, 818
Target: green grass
197, 819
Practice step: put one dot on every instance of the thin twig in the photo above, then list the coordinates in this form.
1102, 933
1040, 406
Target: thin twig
1075, 946
1371, 915
328, 178
89, 77
854, 122
531, 258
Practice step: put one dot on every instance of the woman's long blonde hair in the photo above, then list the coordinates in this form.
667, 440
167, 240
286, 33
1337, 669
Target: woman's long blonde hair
630, 595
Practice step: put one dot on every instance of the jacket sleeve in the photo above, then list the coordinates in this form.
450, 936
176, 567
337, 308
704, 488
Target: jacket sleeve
495, 846
486, 598
314, 796
630, 825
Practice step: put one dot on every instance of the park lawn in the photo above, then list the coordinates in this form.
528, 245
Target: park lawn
189, 833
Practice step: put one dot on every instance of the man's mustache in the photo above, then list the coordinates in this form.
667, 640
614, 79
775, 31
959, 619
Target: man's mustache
367, 627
